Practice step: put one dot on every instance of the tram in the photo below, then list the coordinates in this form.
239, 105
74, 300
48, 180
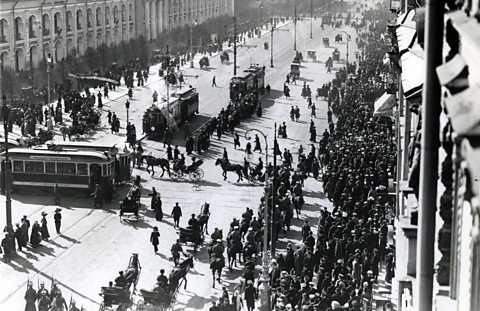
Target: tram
68, 168
251, 79
123, 156
181, 106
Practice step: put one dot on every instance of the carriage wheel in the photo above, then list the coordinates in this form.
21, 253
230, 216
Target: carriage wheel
196, 175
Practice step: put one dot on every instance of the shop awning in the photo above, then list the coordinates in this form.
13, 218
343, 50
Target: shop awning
384, 105
405, 37
413, 72
464, 111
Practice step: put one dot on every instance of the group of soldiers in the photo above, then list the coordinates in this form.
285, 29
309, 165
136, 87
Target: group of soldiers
43, 300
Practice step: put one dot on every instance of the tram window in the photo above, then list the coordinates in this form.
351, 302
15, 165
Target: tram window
49, 167
18, 166
82, 169
66, 168
112, 167
34, 167
104, 170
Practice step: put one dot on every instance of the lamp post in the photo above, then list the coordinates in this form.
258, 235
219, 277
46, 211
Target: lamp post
294, 25
311, 19
271, 46
191, 44
346, 61
49, 64
8, 201
127, 105
234, 46
265, 286
274, 190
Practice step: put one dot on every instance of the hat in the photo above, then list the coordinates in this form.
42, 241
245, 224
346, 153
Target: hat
236, 227
44, 214
155, 228
57, 210
311, 296
340, 261
218, 240
250, 229
249, 282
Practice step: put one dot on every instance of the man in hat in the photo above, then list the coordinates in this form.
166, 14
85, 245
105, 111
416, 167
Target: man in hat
162, 280
250, 294
176, 250
44, 227
121, 280
43, 298
24, 228
58, 220
30, 297
176, 214
217, 234
155, 238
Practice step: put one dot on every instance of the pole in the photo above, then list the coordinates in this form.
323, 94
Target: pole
235, 47
271, 48
311, 19
127, 116
274, 191
429, 153
294, 25
191, 45
48, 82
8, 201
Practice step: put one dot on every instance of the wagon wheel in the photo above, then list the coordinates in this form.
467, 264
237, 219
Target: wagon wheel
196, 174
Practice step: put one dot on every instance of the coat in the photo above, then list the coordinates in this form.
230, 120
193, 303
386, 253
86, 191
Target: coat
158, 210
154, 238
250, 295
176, 212
44, 229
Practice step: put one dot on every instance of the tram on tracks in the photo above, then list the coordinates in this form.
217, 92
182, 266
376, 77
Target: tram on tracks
44, 167
181, 106
251, 79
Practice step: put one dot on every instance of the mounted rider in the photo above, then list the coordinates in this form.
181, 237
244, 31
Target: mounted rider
217, 234
234, 236
176, 250
218, 249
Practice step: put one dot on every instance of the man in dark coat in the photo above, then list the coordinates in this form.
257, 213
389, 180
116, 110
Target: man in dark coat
176, 214
30, 297
250, 294
158, 209
58, 220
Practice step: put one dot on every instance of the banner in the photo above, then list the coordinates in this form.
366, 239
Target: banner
87, 77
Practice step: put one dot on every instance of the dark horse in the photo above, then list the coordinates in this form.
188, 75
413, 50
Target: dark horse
227, 167
216, 265
153, 161
232, 250
180, 273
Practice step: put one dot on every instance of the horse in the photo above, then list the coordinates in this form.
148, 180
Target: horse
216, 265
249, 249
180, 273
298, 202
133, 271
203, 222
232, 250
153, 161
227, 167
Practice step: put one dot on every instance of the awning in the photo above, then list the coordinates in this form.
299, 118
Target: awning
464, 112
413, 72
384, 105
405, 37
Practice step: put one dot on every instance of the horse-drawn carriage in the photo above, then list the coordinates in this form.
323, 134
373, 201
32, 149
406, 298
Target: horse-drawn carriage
326, 42
204, 62
224, 57
131, 204
120, 295
312, 55
336, 55
194, 172
192, 235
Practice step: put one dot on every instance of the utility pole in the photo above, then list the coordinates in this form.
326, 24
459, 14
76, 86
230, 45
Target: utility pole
8, 167
234, 46
274, 191
294, 25
431, 109
271, 46
311, 19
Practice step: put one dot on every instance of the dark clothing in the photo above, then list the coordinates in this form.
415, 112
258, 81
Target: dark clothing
154, 239
44, 229
176, 214
30, 297
58, 221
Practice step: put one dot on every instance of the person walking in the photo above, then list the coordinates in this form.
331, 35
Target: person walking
236, 141
250, 294
225, 154
257, 144
58, 220
7, 247
18, 237
214, 83
44, 228
56, 194
36, 236
176, 214
155, 238
154, 198
158, 208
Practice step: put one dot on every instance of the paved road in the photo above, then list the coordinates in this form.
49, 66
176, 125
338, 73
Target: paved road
95, 245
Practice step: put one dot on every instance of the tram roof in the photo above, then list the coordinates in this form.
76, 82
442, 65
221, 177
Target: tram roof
88, 146
64, 152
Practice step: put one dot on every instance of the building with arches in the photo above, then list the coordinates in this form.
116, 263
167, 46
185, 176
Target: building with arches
32, 29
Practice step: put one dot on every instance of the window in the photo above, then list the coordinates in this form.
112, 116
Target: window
82, 169
104, 170
112, 167
18, 166
34, 167
49, 167
66, 168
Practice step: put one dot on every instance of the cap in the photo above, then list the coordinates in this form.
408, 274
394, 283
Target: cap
236, 227
57, 210
218, 240
249, 282
250, 229
44, 214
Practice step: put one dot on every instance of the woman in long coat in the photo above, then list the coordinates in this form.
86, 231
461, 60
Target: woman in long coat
154, 238
158, 209
44, 228
35, 237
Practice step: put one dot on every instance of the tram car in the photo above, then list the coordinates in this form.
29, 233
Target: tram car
251, 79
180, 107
123, 155
68, 168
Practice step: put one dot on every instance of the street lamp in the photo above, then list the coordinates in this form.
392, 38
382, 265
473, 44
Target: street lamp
265, 286
294, 25
311, 19
234, 46
8, 201
274, 190
271, 45
49, 64
346, 60
191, 44
127, 105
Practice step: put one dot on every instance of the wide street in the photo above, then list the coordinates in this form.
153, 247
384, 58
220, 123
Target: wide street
95, 244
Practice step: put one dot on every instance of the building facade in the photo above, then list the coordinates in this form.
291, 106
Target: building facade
166, 15
30, 30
